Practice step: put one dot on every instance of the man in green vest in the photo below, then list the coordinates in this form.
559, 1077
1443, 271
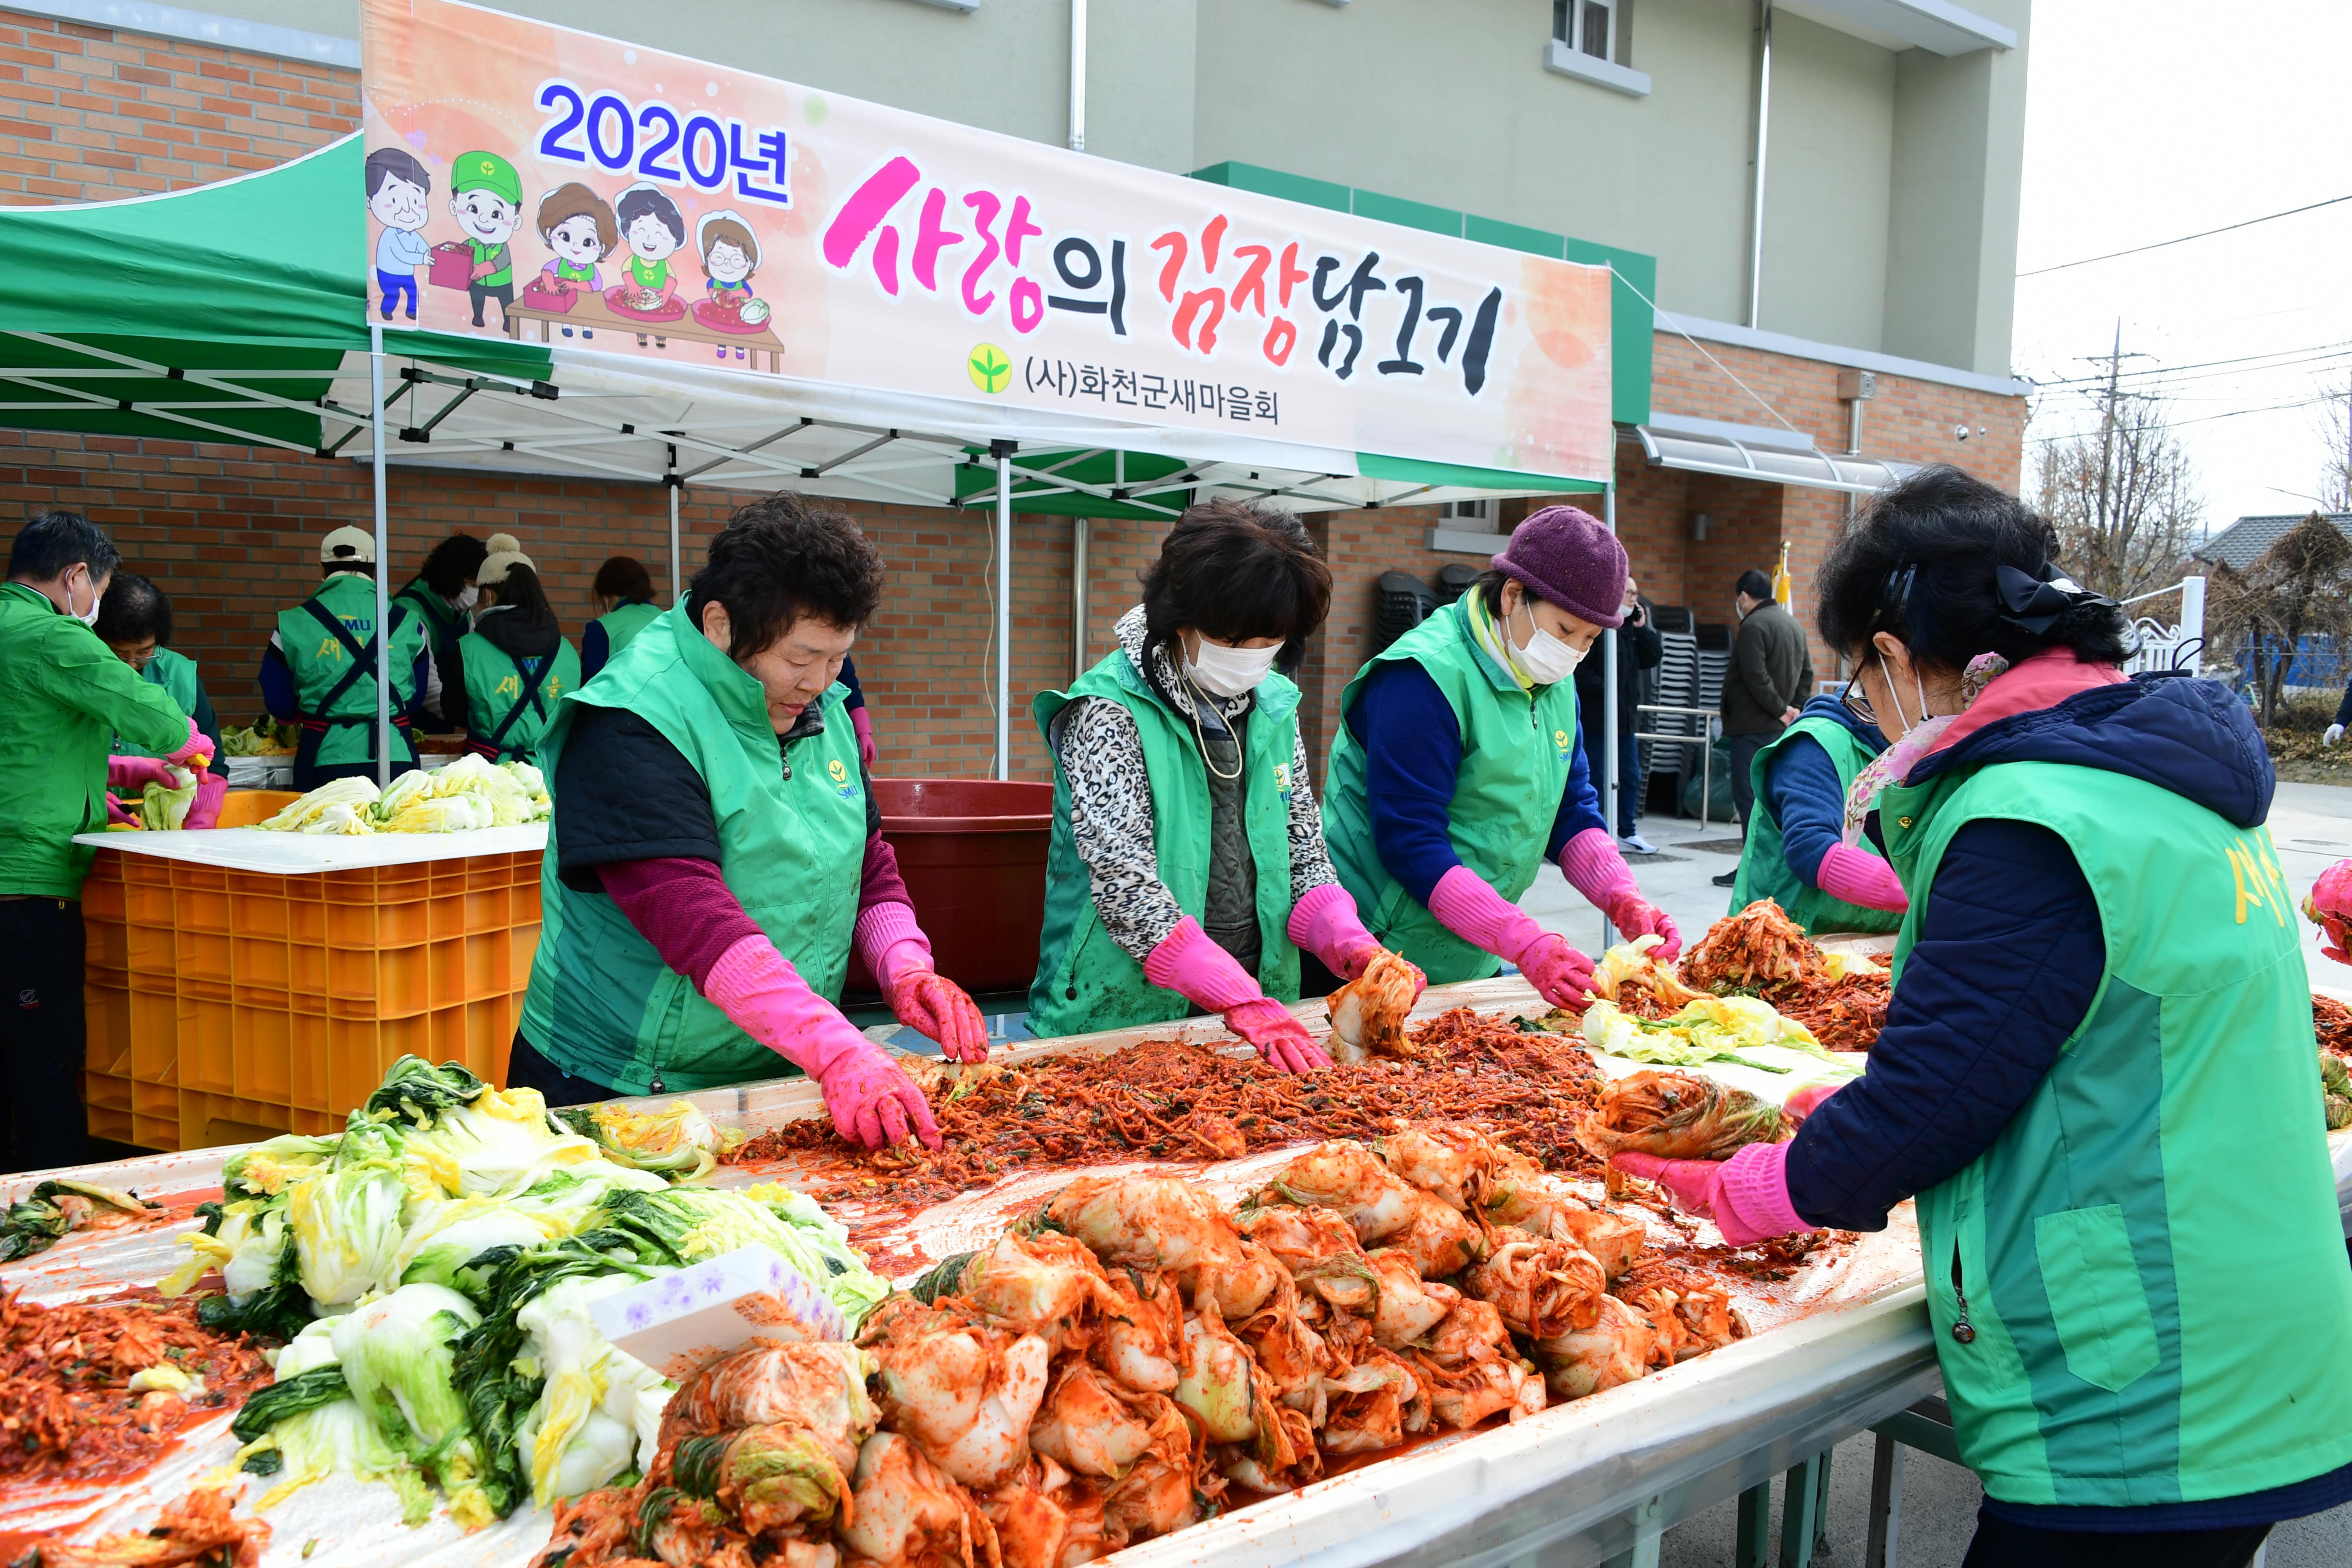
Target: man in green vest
319, 669
1798, 852
66, 694
439, 596
1456, 770
485, 199
1187, 869
715, 855
2096, 1071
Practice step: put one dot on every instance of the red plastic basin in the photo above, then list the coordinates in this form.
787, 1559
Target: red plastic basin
973, 853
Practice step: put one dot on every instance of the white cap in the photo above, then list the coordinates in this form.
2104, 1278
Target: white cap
506, 551
351, 546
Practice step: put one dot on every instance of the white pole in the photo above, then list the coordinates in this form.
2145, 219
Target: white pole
383, 565
671, 481
1609, 698
1081, 542
2192, 622
1004, 450
1078, 75
1763, 129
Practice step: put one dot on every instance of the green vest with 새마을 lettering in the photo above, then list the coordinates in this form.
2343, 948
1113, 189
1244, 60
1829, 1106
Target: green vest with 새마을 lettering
1764, 870
1086, 982
792, 847
1517, 748
510, 701
329, 645
2138, 1291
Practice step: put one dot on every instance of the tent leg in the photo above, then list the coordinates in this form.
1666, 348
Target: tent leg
675, 485
1003, 451
383, 565
1610, 716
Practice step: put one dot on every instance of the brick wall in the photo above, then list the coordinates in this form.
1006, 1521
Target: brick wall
88, 114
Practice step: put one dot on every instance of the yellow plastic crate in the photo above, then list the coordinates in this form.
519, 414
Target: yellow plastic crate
225, 1005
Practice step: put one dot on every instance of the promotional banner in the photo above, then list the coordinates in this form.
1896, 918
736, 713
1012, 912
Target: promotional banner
528, 181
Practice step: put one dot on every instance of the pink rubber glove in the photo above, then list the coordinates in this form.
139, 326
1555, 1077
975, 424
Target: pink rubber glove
211, 790
899, 956
116, 817
1187, 963
1326, 924
1467, 907
872, 1101
1861, 877
1745, 1195
196, 752
138, 773
859, 722
2328, 906
1596, 868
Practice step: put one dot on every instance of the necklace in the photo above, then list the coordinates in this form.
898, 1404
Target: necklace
1202, 740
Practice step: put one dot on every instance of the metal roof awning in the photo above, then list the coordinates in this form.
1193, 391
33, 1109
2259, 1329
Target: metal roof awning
1759, 452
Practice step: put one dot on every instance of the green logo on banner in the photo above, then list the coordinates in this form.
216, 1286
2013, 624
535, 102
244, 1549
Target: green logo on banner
989, 368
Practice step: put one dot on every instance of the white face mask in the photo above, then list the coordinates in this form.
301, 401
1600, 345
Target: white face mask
89, 618
1545, 659
468, 597
1229, 672
1895, 697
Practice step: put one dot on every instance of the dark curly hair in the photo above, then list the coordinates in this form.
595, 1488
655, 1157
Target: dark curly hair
1925, 559
783, 557
1233, 570
452, 564
134, 610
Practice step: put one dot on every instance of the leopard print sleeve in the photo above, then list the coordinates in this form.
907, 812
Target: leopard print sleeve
1310, 861
1110, 822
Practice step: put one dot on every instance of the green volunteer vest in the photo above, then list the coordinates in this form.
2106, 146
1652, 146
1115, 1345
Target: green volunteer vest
442, 625
504, 275
791, 843
624, 622
502, 721
337, 707
1517, 750
177, 674
1087, 982
1764, 870
2150, 1253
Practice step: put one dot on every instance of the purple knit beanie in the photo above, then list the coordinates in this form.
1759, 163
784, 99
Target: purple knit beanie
1566, 558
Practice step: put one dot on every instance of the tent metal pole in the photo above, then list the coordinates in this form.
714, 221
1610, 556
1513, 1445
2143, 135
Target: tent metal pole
1081, 546
383, 565
1609, 715
1003, 451
673, 484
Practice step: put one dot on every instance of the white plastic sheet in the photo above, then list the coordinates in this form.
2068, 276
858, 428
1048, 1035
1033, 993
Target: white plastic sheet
297, 854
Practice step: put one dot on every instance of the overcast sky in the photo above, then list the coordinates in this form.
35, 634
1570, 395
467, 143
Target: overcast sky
2147, 120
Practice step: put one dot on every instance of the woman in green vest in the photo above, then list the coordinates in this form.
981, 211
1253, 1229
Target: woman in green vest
439, 596
135, 621
715, 855
1187, 869
622, 597
2095, 1074
515, 664
1456, 772
320, 668
1795, 853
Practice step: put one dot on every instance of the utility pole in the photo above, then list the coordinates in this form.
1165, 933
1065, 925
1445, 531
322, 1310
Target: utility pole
2107, 425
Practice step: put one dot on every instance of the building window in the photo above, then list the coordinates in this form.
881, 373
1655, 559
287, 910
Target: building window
1587, 26
1588, 42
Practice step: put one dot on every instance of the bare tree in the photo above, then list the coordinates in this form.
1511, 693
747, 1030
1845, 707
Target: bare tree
2301, 587
2335, 436
2122, 496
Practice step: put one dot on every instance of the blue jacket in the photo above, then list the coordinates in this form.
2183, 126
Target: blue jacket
1802, 791
2004, 971
1412, 750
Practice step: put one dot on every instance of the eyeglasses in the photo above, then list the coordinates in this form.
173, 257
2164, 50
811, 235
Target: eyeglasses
1855, 702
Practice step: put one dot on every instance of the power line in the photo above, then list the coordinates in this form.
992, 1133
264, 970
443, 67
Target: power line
2201, 234
2321, 350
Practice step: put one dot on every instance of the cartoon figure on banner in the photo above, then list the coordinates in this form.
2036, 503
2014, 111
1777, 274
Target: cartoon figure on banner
397, 186
731, 254
578, 226
485, 199
656, 231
